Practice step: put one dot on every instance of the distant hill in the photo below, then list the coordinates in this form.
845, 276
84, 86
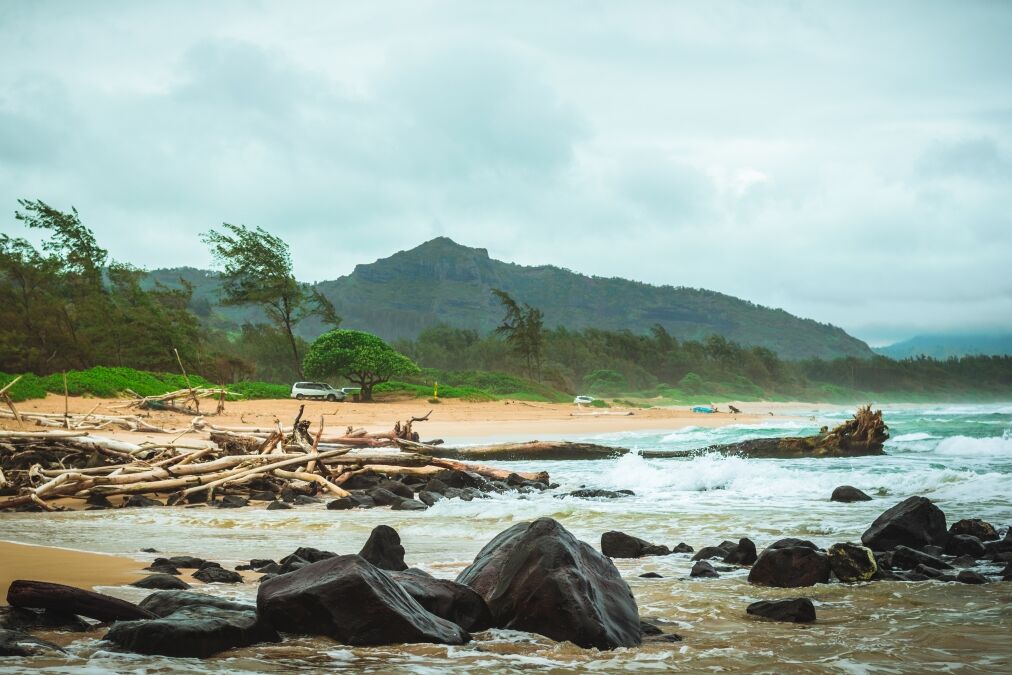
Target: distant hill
441, 281
942, 346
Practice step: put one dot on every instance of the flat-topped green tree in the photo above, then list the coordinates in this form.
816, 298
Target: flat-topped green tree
257, 270
361, 358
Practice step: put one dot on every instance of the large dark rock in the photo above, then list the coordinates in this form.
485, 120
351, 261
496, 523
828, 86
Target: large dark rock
594, 493
970, 577
796, 610
278, 506
906, 558
703, 569
408, 505
161, 581
848, 493
383, 549
196, 631
742, 554
446, 599
538, 577
616, 544
164, 603
429, 498
354, 602
682, 547
965, 544
852, 562
398, 488
792, 542
16, 643
708, 552
141, 501
23, 619
182, 561
974, 527
384, 497
790, 568
914, 522
217, 575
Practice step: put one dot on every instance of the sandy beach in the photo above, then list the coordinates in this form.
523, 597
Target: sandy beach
64, 566
451, 419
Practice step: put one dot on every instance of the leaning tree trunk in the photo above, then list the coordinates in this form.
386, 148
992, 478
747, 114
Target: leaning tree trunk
366, 392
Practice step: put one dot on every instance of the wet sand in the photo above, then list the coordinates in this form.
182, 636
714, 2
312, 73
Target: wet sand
63, 566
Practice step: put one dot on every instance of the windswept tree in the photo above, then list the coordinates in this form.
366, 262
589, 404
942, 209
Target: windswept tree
524, 330
257, 270
361, 358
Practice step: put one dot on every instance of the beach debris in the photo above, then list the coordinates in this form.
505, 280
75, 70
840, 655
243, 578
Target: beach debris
615, 544
234, 465
864, 434
792, 610
518, 452
790, 568
538, 577
354, 602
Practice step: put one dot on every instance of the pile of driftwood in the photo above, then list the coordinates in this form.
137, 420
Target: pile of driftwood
41, 468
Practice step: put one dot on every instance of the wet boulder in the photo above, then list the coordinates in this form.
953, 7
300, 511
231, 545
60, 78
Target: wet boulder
217, 575
22, 619
594, 493
16, 643
708, 552
847, 494
794, 610
538, 577
682, 547
742, 554
408, 505
341, 504
703, 569
615, 544
906, 558
161, 581
914, 522
353, 601
384, 497
965, 544
278, 506
970, 577
231, 502
164, 603
196, 631
141, 501
974, 527
790, 568
182, 561
852, 562
446, 599
792, 542
383, 549
429, 498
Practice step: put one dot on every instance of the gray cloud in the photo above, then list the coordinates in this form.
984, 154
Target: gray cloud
846, 162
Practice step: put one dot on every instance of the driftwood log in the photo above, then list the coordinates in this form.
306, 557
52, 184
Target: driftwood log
516, 452
863, 435
44, 595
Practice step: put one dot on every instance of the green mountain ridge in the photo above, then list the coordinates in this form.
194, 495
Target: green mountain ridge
441, 281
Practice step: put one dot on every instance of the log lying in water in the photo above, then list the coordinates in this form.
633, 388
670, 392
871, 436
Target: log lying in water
863, 435
531, 450
44, 595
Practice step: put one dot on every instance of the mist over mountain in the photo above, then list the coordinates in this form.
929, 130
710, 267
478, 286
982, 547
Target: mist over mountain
943, 346
441, 281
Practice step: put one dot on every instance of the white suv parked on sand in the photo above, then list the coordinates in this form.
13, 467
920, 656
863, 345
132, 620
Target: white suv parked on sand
322, 390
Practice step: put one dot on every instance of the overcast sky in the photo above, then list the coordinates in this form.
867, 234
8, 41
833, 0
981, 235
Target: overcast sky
848, 162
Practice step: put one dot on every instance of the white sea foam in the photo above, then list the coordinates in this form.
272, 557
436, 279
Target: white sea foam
988, 446
919, 436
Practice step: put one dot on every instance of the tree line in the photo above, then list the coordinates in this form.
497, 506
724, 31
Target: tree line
64, 304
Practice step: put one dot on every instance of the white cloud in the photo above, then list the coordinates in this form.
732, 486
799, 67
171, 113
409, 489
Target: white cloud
760, 150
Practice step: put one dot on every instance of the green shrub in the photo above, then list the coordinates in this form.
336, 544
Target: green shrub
599, 403
691, 383
603, 381
260, 390
29, 386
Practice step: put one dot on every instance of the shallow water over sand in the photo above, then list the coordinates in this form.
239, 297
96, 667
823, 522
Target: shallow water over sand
959, 456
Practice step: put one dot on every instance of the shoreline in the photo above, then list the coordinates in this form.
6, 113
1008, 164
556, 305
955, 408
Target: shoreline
452, 419
71, 567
